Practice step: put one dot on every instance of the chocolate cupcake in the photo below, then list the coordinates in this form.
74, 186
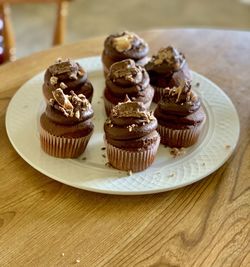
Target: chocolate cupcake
131, 137
122, 46
161, 68
69, 76
66, 125
126, 78
180, 116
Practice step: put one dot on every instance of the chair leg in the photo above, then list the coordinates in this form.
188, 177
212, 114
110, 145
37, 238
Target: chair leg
60, 26
8, 34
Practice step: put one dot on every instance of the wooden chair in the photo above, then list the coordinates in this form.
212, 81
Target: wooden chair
7, 31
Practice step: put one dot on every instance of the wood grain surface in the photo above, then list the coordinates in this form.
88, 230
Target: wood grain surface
45, 223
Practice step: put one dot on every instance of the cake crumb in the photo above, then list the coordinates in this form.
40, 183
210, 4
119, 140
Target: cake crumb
130, 173
171, 174
197, 84
103, 155
84, 158
98, 102
176, 152
203, 164
103, 148
62, 254
227, 146
108, 164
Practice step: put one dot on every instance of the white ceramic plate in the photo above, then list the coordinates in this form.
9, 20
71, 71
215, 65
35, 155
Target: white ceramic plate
89, 172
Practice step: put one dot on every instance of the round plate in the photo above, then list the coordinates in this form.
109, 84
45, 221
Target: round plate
216, 143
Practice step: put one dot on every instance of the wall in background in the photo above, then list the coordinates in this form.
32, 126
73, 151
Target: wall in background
33, 24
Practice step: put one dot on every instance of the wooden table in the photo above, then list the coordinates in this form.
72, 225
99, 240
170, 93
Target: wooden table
45, 223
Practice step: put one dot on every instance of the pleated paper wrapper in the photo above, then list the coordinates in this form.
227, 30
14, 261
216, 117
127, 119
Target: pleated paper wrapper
179, 137
62, 147
134, 161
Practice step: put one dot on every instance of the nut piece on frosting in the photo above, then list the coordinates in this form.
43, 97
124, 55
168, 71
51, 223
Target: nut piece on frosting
125, 41
69, 105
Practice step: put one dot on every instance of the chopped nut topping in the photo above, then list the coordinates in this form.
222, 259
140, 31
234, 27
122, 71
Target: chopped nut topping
73, 76
77, 114
227, 146
62, 99
53, 80
130, 128
103, 148
123, 43
63, 85
71, 105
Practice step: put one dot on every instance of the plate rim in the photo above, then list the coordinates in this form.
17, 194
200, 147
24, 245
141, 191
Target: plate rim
115, 192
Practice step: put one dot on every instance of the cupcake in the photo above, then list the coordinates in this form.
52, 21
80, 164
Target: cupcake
163, 66
127, 78
66, 126
69, 76
122, 46
180, 116
131, 137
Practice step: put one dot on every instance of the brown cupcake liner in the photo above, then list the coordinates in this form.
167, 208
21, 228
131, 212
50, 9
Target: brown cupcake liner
108, 105
134, 161
179, 137
62, 147
158, 93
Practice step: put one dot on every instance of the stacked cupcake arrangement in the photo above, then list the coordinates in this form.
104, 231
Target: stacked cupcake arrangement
132, 132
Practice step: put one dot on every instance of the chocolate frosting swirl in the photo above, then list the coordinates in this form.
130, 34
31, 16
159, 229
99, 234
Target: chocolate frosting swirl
179, 105
67, 75
130, 126
68, 115
126, 78
164, 64
125, 45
